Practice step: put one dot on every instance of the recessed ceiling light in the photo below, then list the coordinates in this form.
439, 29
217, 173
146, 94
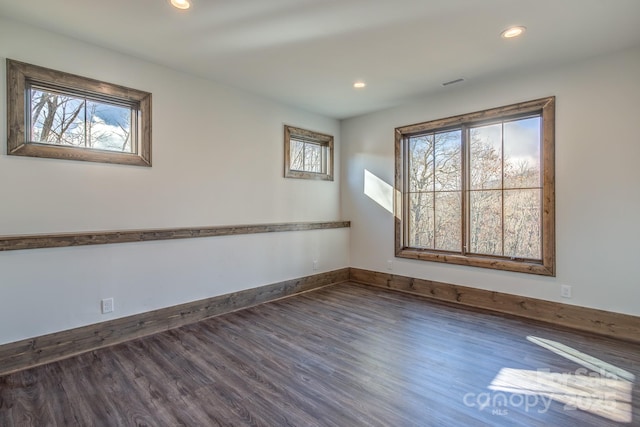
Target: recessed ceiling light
512, 32
359, 85
181, 4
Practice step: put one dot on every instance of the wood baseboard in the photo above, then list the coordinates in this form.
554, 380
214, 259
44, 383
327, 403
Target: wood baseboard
32, 352
614, 325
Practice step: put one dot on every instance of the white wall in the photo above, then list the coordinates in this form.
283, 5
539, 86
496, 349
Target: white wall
597, 181
217, 159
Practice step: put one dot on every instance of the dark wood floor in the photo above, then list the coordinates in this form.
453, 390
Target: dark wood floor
346, 355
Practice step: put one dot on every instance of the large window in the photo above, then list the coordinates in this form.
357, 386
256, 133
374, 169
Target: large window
307, 154
478, 189
61, 115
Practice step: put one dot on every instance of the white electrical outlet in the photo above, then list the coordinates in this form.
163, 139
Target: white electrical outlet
565, 291
389, 264
107, 305
315, 265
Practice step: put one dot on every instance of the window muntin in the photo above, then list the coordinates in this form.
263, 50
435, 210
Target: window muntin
60, 115
308, 154
478, 189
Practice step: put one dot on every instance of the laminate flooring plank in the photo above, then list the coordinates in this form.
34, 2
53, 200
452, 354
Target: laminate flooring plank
59, 392
285, 379
171, 400
121, 384
344, 355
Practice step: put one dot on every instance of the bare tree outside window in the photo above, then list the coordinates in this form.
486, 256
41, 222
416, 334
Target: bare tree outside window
435, 182
307, 157
79, 122
477, 189
505, 190
308, 154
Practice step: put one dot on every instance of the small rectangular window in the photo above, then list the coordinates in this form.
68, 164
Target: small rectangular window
308, 155
60, 115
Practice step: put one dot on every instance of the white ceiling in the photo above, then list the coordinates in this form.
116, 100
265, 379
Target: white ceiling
308, 53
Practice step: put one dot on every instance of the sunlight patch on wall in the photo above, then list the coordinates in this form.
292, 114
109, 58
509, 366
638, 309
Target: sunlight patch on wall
378, 191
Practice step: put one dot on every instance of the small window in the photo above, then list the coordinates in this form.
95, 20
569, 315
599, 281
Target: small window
307, 154
478, 189
59, 115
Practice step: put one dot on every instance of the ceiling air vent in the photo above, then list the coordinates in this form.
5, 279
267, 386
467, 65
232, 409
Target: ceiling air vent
452, 82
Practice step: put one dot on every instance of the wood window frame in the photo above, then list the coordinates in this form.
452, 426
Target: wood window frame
547, 265
21, 75
321, 139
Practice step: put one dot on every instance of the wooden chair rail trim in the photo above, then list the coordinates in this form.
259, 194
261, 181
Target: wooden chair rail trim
38, 241
614, 325
44, 349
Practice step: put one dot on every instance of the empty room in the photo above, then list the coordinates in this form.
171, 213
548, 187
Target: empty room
319, 213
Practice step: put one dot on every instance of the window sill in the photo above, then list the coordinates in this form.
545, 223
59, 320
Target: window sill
478, 261
308, 175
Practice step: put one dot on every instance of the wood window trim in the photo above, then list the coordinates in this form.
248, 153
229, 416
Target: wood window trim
310, 136
63, 240
547, 266
19, 74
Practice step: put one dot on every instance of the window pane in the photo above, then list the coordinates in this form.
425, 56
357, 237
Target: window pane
448, 160
308, 154
421, 163
486, 157
109, 127
56, 119
522, 153
448, 221
312, 158
485, 222
75, 121
421, 220
522, 224
297, 154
